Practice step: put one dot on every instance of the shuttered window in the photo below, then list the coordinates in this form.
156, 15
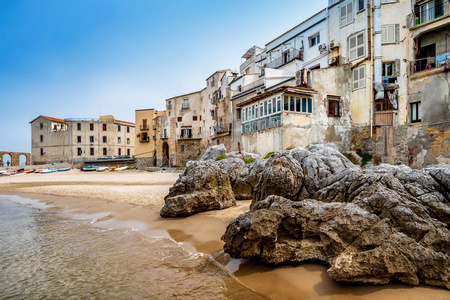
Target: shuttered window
359, 77
387, 34
346, 13
356, 46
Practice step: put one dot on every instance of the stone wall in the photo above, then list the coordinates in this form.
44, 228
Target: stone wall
143, 162
192, 151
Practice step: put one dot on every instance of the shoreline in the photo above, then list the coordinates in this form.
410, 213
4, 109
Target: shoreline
134, 198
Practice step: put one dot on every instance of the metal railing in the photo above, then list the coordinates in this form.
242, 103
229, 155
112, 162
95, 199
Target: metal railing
427, 12
145, 140
188, 137
283, 59
144, 127
164, 136
223, 129
423, 64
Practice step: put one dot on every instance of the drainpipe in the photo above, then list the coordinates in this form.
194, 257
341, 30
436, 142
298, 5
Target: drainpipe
370, 48
377, 49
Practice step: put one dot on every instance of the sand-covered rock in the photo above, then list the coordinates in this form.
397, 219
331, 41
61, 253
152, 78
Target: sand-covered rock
358, 245
202, 186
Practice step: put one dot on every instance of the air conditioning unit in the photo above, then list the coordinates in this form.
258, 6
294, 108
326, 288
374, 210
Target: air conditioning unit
298, 74
322, 48
298, 81
333, 44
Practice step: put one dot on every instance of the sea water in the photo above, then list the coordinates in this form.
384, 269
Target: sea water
46, 254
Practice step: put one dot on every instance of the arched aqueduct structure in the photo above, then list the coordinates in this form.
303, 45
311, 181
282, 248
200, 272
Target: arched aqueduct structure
15, 158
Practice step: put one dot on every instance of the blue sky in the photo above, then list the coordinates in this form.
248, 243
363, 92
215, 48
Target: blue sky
85, 58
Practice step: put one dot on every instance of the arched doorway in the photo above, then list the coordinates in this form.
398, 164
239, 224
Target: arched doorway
23, 160
6, 160
165, 154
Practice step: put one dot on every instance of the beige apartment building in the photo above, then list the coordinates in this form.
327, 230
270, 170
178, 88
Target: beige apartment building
145, 150
77, 140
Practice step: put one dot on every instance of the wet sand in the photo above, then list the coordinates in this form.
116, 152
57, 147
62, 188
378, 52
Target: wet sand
133, 198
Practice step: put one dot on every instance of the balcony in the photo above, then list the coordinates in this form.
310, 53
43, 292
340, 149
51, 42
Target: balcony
285, 58
190, 137
222, 129
383, 118
428, 63
427, 12
164, 136
144, 140
144, 127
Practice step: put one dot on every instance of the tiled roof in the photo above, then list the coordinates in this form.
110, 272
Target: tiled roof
124, 122
50, 118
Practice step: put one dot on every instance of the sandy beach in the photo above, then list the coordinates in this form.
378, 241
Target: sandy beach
134, 197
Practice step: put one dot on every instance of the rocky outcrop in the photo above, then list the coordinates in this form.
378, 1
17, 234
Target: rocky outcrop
359, 246
202, 186
214, 151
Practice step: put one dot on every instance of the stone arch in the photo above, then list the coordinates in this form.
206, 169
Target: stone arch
15, 158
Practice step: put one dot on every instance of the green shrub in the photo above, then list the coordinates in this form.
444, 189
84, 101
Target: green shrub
247, 160
366, 157
311, 144
220, 157
268, 155
351, 158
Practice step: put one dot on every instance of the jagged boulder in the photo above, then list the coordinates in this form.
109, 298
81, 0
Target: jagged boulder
358, 245
246, 155
214, 151
282, 175
202, 186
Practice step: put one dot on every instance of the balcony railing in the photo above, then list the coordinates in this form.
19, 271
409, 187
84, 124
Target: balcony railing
164, 136
284, 59
144, 127
144, 140
427, 12
383, 118
223, 129
189, 137
423, 64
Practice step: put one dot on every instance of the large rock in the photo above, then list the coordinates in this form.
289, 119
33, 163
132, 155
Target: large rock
282, 175
202, 186
214, 151
358, 245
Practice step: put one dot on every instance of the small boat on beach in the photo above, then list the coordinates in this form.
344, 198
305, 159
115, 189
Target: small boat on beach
119, 169
62, 170
102, 169
89, 168
46, 171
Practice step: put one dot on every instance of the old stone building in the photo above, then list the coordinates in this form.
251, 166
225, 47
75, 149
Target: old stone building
77, 140
145, 150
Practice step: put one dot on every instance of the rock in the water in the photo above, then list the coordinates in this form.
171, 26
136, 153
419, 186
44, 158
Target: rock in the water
359, 246
214, 151
202, 186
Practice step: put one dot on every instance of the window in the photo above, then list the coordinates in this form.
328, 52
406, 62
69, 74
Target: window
169, 105
314, 40
179, 119
194, 118
119, 151
42, 151
79, 151
416, 114
429, 11
359, 77
182, 148
91, 127
356, 46
42, 138
387, 34
105, 151
78, 126
333, 106
118, 128
104, 127
165, 133
346, 13
91, 151
128, 152
79, 139
186, 103
286, 57
55, 127
128, 129
247, 70
41, 126
119, 140
388, 69
128, 141
186, 133
361, 5
91, 139
105, 139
